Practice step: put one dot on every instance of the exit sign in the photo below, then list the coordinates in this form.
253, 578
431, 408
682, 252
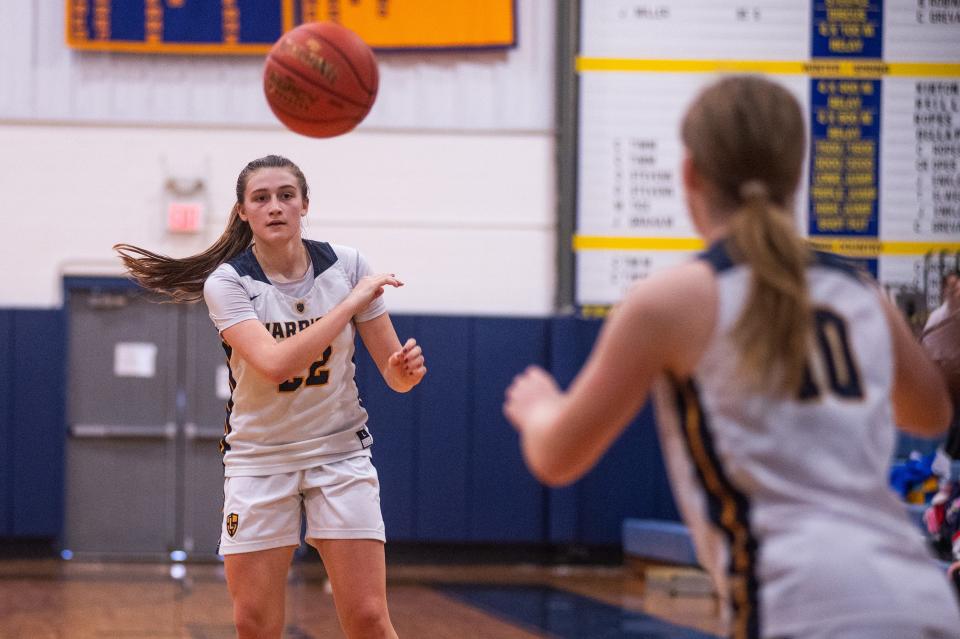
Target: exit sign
184, 217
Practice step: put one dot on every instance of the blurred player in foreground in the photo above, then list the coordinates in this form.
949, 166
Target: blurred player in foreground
779, 374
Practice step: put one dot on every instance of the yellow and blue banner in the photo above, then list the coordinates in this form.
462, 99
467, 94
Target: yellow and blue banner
226, 27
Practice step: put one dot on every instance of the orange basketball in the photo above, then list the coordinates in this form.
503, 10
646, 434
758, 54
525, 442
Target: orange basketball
320, 79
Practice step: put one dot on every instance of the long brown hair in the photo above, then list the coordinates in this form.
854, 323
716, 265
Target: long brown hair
745, 135
182, 278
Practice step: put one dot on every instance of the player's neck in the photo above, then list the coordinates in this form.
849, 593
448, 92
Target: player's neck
285, 263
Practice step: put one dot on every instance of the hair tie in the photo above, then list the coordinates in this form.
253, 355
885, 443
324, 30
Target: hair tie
754, 189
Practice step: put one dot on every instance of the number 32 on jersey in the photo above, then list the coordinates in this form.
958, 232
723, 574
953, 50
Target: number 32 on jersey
316, 376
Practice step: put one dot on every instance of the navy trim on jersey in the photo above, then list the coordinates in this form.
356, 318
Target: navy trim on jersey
321, 254
246, 264
841, 264
227, 428
718, 257
728, 509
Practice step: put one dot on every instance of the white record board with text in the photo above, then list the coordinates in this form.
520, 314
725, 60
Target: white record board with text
879, 81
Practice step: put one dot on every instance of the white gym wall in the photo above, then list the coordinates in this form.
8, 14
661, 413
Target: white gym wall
450, 182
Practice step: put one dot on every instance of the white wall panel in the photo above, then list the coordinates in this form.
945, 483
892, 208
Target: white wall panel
488, 90
17, 59
483, 272
449, 182
466, 219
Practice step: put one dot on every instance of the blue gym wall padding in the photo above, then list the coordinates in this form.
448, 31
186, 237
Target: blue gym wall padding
450, 466
35, 386
6, 423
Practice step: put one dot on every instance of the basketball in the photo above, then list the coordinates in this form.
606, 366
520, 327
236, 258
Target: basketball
320, 79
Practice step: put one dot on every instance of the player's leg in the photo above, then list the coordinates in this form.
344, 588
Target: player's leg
257, 583
342, 503
261, 529
357, 572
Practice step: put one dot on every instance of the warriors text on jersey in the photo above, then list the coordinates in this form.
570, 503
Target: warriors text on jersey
787, 498
316, 416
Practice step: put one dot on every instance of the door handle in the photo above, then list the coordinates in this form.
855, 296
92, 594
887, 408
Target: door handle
123, 431
193, 432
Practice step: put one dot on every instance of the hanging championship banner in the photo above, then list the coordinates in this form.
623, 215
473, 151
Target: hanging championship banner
422, 24
252, 26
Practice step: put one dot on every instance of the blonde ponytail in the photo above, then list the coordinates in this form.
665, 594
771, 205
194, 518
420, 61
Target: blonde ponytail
773, 331
745, 135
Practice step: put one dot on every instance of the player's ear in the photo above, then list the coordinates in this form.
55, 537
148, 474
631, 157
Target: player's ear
241, 213
303, 211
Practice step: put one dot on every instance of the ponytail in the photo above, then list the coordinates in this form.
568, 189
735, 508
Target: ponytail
182, 279
746, 137
773, 332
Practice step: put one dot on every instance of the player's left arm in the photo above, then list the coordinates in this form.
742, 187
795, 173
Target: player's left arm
921, 403
402, 367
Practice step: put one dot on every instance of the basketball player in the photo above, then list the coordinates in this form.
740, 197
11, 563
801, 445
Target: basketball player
950, 296
941, 339
779, 374
296, 438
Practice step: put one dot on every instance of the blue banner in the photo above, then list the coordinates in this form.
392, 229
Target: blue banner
252, 26
844, 156
847, 29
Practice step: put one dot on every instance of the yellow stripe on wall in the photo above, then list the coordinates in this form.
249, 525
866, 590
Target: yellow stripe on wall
816, 68
874, 248
598, 243
686, 66
850, 246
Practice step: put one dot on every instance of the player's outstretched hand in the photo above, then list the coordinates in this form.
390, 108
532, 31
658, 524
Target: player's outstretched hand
951, 293
407, 366
531, 398
370, 287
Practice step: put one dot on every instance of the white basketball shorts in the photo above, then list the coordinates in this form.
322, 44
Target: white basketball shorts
341, 500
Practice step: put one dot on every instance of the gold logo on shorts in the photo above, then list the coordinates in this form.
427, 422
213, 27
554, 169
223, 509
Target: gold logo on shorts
233, 520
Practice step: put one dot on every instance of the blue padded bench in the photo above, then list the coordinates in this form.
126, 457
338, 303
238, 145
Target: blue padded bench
666, 546
658, 540
669, 542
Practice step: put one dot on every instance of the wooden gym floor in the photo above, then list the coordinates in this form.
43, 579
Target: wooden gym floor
48, 598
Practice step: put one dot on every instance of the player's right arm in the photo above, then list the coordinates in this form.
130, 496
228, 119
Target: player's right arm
281, 360
662, 326
921, 405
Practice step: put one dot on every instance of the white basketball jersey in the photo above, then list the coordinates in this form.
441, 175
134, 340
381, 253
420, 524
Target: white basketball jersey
787, 499
316, 416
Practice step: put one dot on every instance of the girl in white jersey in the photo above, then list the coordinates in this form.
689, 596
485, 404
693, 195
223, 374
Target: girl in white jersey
296, 439
779, 376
